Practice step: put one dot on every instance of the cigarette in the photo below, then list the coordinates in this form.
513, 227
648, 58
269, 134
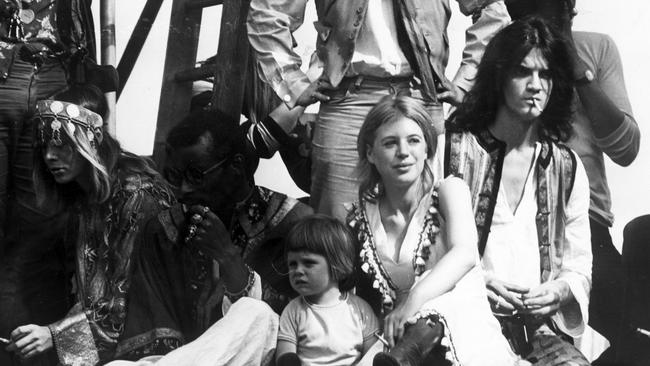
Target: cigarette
4, 340
381, 339
643, 331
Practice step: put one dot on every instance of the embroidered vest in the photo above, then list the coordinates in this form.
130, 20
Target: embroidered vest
478, 160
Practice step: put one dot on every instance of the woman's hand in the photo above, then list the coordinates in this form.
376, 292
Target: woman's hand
395, 321
504, 297
546, 299
210, 234
30, 340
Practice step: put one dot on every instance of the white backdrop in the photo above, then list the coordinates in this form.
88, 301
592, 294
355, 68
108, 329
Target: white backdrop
628, 26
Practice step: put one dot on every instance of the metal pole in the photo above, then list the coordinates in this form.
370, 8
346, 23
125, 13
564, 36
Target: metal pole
108, 56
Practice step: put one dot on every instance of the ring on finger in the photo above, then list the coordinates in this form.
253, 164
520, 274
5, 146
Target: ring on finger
196, 218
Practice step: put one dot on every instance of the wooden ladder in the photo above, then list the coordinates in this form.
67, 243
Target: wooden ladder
180, 71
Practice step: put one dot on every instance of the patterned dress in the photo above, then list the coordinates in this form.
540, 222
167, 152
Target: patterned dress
472, 334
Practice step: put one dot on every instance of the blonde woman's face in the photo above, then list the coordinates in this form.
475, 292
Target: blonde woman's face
399, 152
64, 162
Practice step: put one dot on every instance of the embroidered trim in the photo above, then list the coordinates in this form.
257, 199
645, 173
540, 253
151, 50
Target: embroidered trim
370, 262
447, 342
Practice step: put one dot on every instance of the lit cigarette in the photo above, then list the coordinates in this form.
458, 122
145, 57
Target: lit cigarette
536, 104
381, 339
4, 340
643, 331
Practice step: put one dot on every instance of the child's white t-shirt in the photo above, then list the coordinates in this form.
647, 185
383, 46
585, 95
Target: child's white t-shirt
328, 335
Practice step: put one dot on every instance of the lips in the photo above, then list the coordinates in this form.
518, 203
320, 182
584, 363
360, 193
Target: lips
57, 170
402, 167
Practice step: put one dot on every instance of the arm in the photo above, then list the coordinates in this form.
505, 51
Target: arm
493, 17
284, 347
272, 132
270, 25
287, 332
455, 208
605, 99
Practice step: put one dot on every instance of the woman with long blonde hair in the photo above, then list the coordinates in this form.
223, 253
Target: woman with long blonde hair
108, 195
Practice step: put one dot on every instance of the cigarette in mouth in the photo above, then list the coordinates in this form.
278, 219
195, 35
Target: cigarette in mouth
4, 340
536, 104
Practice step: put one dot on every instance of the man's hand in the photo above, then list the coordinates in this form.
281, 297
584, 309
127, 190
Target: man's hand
546, 299
211, 235
30, 340
504, 297
450, 93
314, 93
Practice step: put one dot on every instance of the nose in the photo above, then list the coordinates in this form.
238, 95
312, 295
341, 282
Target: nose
402, 149
50, 154
535, 82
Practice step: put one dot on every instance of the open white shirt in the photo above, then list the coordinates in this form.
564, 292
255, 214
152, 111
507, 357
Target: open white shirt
512, 250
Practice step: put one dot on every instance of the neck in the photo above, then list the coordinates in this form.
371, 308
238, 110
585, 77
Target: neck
403, 199
328, 297
514, 131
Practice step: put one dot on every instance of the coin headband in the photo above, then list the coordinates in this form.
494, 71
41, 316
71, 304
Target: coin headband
52, 114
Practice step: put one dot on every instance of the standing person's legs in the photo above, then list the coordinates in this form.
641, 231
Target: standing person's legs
32, 285
334, 145
607, 290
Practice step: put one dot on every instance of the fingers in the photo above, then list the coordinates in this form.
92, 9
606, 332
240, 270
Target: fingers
320, 97
393, 329
388, 332
509, 293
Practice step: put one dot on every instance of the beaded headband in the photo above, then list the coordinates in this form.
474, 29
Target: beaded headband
52, 114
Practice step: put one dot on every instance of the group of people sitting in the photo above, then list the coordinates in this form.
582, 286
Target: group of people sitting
463, 244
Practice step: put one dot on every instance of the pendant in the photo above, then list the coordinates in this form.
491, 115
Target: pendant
26, 16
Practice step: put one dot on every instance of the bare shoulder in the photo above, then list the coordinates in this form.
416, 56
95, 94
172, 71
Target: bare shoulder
452, 186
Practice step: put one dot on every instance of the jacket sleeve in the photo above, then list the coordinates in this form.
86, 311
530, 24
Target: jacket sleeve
576, 266
270, 27
491, 16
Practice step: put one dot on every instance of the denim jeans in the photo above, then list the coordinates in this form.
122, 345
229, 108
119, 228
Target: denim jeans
32, 276
334, 144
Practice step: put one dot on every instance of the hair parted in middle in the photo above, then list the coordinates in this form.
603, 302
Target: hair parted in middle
503, 54
388, 110
105, 158
326, 236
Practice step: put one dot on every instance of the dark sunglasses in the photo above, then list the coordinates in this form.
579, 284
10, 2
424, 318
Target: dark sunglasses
191, 175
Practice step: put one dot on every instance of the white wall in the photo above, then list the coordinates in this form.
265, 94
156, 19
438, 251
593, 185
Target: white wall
137, 109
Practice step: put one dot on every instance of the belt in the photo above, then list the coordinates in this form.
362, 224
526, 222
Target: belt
358, 80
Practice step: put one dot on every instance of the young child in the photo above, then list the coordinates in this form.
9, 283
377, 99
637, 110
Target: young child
326, 324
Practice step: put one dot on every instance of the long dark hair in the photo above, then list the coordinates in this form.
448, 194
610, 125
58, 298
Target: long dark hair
506, 51
105, 161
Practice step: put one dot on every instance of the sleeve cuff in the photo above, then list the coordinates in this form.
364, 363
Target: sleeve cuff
73, 339
572, 317
255, 292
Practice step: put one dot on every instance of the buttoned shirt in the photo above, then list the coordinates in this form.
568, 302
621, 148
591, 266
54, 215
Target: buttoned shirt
271, 23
